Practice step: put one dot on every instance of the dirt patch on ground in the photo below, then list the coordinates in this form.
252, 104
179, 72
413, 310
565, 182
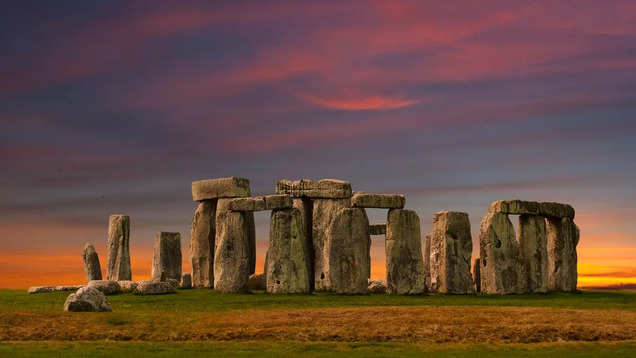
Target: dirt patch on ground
406, 324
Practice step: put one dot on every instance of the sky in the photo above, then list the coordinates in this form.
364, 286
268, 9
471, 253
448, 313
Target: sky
117, 106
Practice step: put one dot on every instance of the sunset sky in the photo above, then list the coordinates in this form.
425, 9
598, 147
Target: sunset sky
117, 106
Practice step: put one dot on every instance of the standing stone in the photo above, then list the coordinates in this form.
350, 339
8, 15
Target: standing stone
452, 245
166, 260
92, 268
404, 263
348, 254
232, 253
186, 281
305, 206
251, 236
499, 255
286, 270
118, 248
427, 264
324, 211
202, 244
533, 254
477, 274
562, 237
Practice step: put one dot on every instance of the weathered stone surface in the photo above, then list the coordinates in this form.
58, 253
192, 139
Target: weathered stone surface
451, 248
305, 206
166, 259
286, 269
108, 287
380, 201
68, 287
515, 207
127, 286
377, 229
477, 274
261, 203
186, 281
232, 254
562, 238
499, 255
256, 282
556, 210
92, 268
154, 287
41, 289
403, 244
324, 211
118, 268
533, 254
348, 252
377, 286
427, 264
322, 189
173, 282
87, 299
209, 189
202, 237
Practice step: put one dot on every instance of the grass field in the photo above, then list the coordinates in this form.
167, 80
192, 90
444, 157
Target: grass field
203, 323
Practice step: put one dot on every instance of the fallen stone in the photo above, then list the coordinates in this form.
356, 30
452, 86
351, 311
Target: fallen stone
305, 206
380, 201
515, 207
377, 229
202, 237
256, 282
92, 268
232, 254
173, 282
533, 254
556, 210
118, 268
286, 268
324, 211
348, 252
404, 263
322, 189
186, 281
41, 289
220, 188
261, 203
127, 286
377, 286
154, 287
562, 239
452, 247
499, 255
68, 288
166, 259
87, 299
476, 275
108, 287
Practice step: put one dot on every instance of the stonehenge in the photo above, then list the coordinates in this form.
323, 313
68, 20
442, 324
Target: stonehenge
118, 248
92, 268
404, 262
166, 259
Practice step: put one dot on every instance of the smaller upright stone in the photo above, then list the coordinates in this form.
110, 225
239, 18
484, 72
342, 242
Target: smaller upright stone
87, 299
533, 254
380, 201
476, 275
231, 187
233, 252
166, 261
562, 238
186, 281
92, 268
118, 268
202, 236
377, 229
427, 264
403, 244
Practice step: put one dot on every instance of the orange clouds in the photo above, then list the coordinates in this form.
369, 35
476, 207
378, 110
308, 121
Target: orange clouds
359, 104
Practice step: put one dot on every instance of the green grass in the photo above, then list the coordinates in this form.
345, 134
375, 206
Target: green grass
208, 300
294, 349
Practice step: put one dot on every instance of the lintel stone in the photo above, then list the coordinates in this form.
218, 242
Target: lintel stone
379, 201
322, 189
261, 203
522, 207
209, 189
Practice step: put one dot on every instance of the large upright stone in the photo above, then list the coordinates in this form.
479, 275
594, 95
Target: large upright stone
562, 237
286, 270
118, 268
451, 248
499, 255
322, 189
202, 244
348, 252
92, 268
166, 260
404, 263
209, 189
477, 274
324, 211
232, 254
533, 254
427, 264
305, 206
380, 201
